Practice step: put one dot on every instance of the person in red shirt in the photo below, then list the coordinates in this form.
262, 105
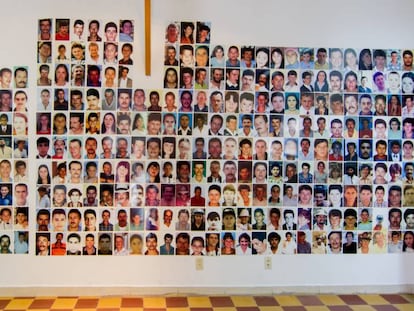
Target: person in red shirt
62, 32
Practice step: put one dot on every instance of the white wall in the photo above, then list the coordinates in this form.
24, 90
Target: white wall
329, 23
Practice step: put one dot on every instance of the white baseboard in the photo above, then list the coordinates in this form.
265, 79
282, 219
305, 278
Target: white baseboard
203, 291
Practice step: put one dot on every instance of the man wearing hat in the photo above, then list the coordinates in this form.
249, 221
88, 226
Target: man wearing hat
243, 221
121, 195
291, 58
318, 245
183, 195
320, 219
197, 220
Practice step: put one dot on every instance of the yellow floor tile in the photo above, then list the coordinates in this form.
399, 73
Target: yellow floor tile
362, 308
64, 303
288, 300
405, 307
374, 299
225, 309
409, 297
272, 308
154, 302
17, 304
109, 302
317, 308
178, 309
331, 300
243, 301
131, 309
199, 302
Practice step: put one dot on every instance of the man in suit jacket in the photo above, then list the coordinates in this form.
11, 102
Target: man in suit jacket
289, 216
210, 179
363, 88
123, 80
215, 172
395, 154
307, 80
5, 128
232, 82
43, 145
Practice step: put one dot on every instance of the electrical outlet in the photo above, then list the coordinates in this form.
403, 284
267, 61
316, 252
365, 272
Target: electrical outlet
268, 263
199, 263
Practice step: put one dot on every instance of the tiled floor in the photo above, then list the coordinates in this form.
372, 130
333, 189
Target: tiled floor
404, 302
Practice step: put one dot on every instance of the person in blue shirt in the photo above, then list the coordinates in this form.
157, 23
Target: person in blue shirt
5, 196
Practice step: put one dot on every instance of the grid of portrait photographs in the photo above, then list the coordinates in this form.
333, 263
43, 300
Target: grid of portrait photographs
84, 90
14, 212
246, 150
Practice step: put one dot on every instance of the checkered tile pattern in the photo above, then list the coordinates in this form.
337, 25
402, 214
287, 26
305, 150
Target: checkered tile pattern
403, 302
